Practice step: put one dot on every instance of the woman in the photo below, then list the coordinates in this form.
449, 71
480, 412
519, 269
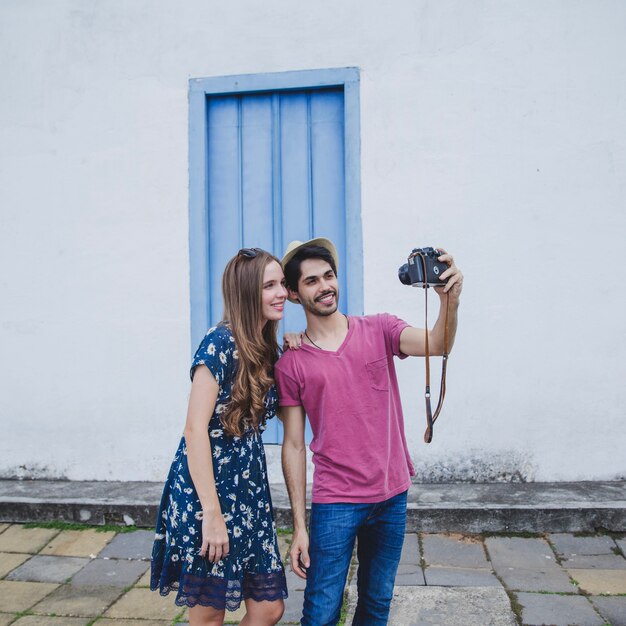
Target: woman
216, 539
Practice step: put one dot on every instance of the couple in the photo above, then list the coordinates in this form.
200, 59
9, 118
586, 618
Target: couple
216, 539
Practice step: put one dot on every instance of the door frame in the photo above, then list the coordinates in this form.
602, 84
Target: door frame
200, 89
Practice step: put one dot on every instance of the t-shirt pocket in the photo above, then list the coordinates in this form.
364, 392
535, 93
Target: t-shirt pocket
378, 374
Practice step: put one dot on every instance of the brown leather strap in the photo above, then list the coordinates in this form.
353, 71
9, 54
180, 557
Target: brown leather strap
430, 418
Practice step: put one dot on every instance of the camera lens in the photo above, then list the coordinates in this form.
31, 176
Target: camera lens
403, 274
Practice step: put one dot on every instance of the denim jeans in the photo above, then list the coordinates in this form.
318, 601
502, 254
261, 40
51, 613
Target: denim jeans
379, 528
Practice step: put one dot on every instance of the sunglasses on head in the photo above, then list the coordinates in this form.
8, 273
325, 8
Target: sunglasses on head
249, 253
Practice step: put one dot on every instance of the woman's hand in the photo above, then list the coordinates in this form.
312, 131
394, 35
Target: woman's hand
214, 537
292, 341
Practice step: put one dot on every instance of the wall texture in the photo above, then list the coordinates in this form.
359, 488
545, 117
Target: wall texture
494, 129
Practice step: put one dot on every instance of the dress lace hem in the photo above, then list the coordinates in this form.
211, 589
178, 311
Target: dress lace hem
220, 593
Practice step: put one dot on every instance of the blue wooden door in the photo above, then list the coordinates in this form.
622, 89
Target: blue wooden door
275, 172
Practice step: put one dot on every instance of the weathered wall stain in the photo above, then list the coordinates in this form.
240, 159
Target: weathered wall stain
480, 466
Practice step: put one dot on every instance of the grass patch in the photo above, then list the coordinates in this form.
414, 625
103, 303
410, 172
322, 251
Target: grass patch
284, 531
516, 607
56, 525
420, 546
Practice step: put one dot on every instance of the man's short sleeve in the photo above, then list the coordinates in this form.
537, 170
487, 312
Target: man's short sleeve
393, 327
286, 383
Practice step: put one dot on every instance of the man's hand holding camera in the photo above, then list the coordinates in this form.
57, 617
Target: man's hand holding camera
453, 277
432, 267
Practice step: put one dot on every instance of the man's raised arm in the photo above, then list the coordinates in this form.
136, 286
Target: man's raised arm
412, 340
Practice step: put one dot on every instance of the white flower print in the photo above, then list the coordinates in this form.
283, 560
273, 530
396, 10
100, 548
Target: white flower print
216, 432
185, 538
236, 354
236, 531
175, 557
217, 450
245, 474
211, 349
223, 358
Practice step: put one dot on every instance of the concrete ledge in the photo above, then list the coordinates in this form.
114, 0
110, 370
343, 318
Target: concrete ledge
457, 507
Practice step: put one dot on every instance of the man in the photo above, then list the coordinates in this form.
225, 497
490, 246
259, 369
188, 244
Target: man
344, 378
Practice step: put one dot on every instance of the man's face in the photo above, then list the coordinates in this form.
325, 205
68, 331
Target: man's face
318, 289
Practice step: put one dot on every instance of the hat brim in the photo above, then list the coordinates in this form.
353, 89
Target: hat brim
295, 246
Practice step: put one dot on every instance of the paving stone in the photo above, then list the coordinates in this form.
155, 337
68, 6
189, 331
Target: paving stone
557, 610
144, 604
9, 561
86, 543
410, 550
78, 601
613, 609
519, 552
409, 574
459, 577
621, 544
6, 618
48, 569
144, 581
25, 540
602, 561
135, 545
527, 565
454, 551
599, 581
16, 596
293, 607
3, 527
49, 620
568, 545
555, 581
110, 572
294, 583
434, 606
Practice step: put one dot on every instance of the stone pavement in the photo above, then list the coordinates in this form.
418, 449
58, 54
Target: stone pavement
71, 577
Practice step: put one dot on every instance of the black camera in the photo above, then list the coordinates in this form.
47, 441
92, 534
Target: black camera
412, 273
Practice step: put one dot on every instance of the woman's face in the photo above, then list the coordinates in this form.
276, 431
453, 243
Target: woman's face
274, 292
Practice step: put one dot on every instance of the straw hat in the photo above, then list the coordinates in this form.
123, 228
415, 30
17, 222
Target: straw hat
295, 246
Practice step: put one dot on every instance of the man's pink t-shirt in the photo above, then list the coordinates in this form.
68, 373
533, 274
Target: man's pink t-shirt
352, 399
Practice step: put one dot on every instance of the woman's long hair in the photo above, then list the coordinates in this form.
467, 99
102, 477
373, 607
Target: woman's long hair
255, 339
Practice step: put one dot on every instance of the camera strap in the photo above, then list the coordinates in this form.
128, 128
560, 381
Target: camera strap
430, 417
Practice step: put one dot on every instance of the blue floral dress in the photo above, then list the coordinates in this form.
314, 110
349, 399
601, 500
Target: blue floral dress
253, 567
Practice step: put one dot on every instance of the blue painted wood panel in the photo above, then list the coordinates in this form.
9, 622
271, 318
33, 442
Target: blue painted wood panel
275, 170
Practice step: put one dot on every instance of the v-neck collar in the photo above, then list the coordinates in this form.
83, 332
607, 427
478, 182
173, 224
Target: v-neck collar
341, 348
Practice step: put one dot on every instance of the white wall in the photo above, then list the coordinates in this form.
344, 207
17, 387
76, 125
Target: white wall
495, 129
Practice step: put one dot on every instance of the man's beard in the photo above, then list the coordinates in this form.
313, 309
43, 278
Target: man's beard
312, 307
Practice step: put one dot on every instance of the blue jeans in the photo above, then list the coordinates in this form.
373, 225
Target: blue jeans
379, 528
